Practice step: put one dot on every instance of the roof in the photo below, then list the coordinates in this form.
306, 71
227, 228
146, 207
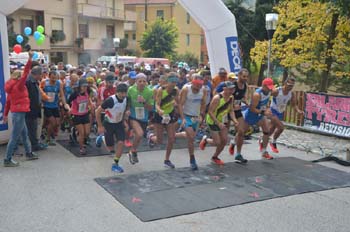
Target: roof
143, 2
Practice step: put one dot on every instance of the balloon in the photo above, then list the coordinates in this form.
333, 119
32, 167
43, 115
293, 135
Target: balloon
19, 39
41, 40
35, 56
27, 31
17, 48
40, 29
37, 35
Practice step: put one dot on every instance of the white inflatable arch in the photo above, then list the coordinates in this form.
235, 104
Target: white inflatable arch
217, 21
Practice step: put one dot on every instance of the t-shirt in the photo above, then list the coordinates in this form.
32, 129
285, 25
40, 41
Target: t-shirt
137, 101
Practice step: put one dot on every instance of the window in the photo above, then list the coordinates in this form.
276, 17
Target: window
134, 36
57, 24
160, 14
188, 40
188, 17
126, 36
27, 21
110, 31
83, 30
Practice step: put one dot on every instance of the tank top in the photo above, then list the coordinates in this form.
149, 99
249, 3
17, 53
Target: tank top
80, 105
168, 100
280, 102
52, 91
239, 93
221, 111
264, 99
115, 114
193, 101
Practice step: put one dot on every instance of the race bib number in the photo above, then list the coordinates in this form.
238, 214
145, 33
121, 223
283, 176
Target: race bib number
140, 113
118, 116
166, 119
52, 96
82, 107
282, 108
225, 118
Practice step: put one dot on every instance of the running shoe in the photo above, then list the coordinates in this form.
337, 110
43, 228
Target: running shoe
87, 141
194, 165
11, 163
133, 159
127, 143
32, 156
203, 142
151, 144
217, 161
99, 140
168, 164
231, 148
117, 168
267, 156
274, 147
82, 151
239, 158
260, 145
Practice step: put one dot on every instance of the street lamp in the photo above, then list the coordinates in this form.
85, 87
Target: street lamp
271, 24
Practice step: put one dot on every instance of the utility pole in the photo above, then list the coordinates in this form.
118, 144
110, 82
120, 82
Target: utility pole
146, 7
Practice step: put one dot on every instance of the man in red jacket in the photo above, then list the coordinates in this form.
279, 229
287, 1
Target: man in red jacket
20, 104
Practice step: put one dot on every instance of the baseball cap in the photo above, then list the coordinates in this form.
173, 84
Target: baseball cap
122, 87
132, 74
268, 82
229, 84
222, 70
232, 75
110, 77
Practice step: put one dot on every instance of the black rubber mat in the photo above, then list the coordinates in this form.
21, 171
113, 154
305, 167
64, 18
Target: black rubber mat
92, 150
163, 194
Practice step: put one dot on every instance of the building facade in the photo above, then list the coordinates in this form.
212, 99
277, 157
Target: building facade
76, 31
191, 36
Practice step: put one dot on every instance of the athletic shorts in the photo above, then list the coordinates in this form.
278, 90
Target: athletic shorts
251, 118
142, 124
238, 114
81, 119
277, 114
190, 121
214, 128
114, 130
158, 119
51, 112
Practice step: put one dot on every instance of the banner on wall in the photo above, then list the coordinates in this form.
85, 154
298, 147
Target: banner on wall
220, 33
328, 113
3, 126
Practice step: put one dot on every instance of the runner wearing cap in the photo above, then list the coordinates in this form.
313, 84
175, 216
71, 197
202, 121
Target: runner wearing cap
217, 117
255, 114
221, 77
80, 104
114, 122
281, 97
192, 111
165, 116
140, 102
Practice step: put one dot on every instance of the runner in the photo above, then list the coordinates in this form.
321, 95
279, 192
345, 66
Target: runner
255, 114
217, 117
192, 107
281, 97
240, 96
140, 100
114, 122
54, 89
81, 103
166, 98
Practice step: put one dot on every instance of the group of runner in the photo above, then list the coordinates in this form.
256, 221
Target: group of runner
143, 106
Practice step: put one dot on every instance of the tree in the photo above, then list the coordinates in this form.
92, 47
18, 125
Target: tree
188, 57
160, 38
306, 42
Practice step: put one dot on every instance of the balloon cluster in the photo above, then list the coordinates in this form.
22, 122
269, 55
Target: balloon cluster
38, 36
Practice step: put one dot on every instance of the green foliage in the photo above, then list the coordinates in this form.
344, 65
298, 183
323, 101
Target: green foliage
160, 38
188, 57
12, 39
57, 36
123, 43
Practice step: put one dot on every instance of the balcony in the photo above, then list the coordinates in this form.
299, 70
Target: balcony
45, 46
130, 26
100, 12
130, 16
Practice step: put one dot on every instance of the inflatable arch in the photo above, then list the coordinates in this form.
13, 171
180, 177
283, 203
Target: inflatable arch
218, 22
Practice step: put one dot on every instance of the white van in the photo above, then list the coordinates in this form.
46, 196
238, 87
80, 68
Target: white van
23, 57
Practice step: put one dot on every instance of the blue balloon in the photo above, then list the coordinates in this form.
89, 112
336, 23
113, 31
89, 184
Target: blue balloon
19, 39
35, 56
27, 31
37, 35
